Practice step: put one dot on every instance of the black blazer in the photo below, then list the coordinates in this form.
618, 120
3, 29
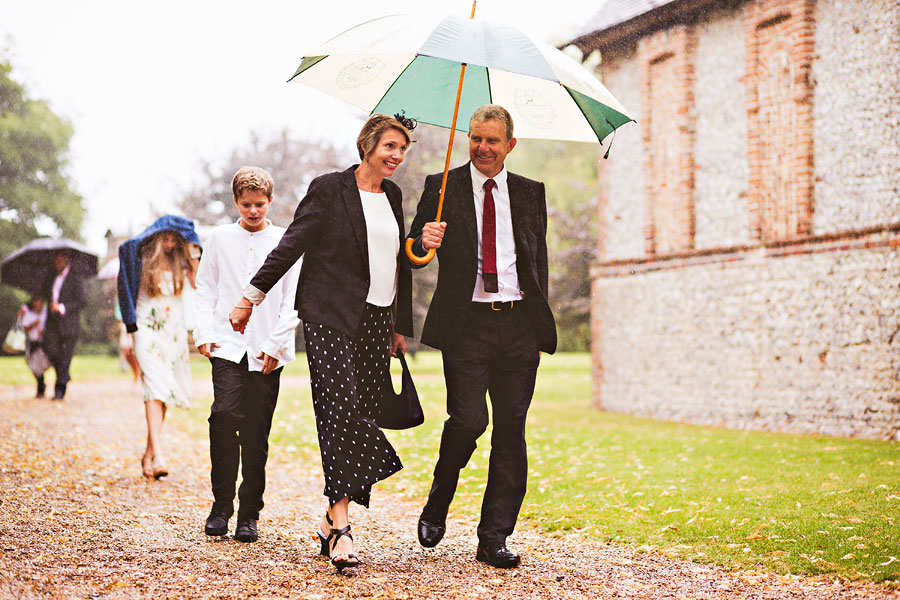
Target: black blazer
329, 231
73, 295
458, 254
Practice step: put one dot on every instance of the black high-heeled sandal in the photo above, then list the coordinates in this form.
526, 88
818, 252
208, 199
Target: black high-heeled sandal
323, 539
342, 564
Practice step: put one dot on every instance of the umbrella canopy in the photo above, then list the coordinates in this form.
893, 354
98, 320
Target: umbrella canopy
412, 63
29, 266
110, 270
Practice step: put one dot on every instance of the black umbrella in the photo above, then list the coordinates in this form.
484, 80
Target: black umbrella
29, 266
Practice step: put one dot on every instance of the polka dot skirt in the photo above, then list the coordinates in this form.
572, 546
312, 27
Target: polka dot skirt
347, 376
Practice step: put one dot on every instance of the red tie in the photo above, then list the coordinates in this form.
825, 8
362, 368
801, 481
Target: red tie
489, 239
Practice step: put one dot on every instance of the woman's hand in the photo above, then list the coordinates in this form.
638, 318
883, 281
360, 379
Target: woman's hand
398, 344
240, 315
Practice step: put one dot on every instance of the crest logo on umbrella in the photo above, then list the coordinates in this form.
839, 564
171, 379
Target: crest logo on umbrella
359, 73
535, 109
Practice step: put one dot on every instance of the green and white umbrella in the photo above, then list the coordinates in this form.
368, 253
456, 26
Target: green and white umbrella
412, 63
433, 68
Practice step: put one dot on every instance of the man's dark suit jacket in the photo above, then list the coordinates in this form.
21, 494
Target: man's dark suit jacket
73, 295
329, 231
458, 254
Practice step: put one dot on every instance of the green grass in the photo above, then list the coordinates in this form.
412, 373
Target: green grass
13, 370
750, 500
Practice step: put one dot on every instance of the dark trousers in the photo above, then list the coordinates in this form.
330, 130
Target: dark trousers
59, 349
497, 354
239, 424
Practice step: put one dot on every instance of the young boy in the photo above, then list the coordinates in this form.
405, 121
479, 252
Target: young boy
245, 367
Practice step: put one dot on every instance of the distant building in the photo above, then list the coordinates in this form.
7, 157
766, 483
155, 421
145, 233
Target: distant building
748, 272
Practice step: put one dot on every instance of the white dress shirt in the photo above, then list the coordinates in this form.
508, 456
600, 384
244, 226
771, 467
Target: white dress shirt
383, 238
507, 276
231, 256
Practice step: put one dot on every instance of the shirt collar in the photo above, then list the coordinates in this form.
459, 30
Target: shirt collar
241, 227
478, 178
64, 271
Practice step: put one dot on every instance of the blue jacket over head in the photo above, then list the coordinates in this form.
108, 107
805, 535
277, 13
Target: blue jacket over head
130, 262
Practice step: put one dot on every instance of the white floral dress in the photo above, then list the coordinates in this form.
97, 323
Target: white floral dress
161, 346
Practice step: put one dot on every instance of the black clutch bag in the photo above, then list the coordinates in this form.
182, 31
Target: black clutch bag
403, 410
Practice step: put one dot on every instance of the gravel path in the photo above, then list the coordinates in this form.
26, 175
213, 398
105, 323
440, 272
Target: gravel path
78, 521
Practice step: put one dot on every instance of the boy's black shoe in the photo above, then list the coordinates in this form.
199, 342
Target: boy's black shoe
497, 555
217, 522
431, 530
246, 530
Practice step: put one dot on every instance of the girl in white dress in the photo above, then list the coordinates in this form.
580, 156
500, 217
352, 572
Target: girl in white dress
161, 339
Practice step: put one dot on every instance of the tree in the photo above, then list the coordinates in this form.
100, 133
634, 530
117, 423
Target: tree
292, 162
35, 191
569, 171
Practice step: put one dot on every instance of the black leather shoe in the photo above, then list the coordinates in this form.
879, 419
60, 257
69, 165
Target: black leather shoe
217, 522
246, 530
431, 531
497, 555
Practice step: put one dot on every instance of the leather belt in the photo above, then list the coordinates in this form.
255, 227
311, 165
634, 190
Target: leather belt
496, 306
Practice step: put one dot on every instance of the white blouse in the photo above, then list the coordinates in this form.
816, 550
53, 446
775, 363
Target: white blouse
384, 244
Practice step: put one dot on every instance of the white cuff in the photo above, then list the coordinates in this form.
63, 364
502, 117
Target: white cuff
253, 295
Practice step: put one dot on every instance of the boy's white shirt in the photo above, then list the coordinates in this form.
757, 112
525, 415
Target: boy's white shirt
231, 256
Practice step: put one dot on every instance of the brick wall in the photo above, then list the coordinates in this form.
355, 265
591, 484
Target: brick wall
667, 83
780, 39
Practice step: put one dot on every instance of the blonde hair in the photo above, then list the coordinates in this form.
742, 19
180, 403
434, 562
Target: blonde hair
371, 132
490, 112
252, 178
153, 264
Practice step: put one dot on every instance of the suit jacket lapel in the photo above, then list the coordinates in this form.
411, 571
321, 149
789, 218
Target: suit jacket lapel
353, 204
518, 207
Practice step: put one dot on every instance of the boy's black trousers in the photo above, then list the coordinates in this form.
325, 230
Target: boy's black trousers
239, 424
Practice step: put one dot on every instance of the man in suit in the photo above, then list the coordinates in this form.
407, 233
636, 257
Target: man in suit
490, 318
67, 295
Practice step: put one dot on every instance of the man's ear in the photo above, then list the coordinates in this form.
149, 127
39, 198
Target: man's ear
512, 144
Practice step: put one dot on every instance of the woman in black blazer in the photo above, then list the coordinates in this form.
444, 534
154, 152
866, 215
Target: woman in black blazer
355, 299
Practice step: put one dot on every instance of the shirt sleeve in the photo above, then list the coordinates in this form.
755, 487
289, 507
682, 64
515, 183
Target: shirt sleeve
206, 297
280, 343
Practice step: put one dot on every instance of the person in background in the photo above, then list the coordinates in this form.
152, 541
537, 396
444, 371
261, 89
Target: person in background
32, 318
490, 318
246, 369
348, 229
154, 268
66, 290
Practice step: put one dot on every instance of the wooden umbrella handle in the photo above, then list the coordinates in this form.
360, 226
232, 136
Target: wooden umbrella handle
424, 260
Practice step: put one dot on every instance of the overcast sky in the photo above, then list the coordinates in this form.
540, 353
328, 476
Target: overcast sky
153, 88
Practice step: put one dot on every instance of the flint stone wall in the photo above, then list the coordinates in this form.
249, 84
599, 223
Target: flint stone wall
856, 115
803, 344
